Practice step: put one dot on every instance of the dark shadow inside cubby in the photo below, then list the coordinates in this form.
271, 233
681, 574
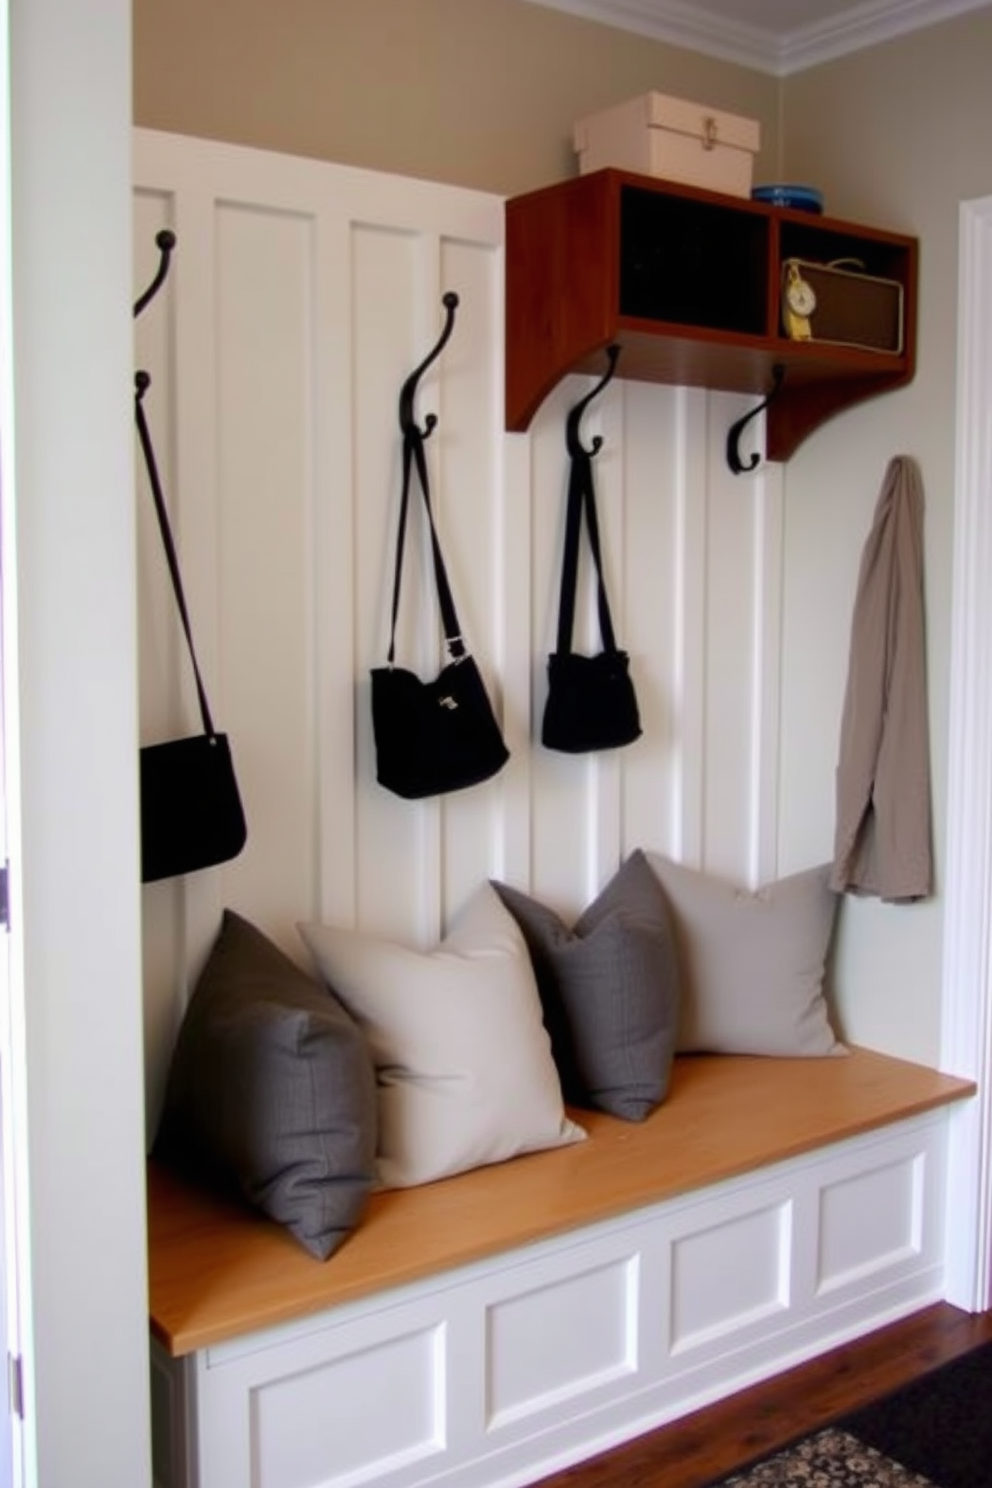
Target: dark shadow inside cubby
691, 262
833, 245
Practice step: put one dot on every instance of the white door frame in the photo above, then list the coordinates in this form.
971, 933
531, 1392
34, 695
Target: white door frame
12, 1467
76, 1111
966, 1047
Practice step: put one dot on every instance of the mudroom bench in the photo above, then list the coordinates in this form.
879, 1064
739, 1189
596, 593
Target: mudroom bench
499, 1325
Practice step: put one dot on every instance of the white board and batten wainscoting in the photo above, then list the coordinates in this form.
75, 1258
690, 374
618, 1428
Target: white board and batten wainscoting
300, 296
643, 1285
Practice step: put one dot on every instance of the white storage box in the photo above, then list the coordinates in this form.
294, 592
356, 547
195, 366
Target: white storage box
670, 137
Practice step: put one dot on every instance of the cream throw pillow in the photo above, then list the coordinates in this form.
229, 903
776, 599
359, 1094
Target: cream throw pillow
751, 963
463, 1061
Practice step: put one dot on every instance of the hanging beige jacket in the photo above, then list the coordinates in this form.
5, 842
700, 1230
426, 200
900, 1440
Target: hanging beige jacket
882, 842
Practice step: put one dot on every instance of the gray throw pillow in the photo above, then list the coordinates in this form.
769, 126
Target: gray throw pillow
752, 962
271, 1091
609, 990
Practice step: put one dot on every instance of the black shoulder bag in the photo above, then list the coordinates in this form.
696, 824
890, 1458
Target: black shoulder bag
591, 702
442, 735
191, 812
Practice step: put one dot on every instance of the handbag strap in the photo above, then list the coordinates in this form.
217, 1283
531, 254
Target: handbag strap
414, 459
142, 382
582, 498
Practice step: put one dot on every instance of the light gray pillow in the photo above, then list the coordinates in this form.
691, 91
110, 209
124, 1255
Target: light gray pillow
609, 989
752, 963
462, 1057
271, 1091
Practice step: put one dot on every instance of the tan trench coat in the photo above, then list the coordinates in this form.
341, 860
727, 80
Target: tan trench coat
882, 843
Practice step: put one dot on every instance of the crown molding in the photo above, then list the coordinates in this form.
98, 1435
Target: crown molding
698, 29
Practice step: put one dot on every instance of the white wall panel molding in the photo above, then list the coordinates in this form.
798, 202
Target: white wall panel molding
511, 853
333, 648
301, 296
508, 1369
686, 842
967, 989
768, 497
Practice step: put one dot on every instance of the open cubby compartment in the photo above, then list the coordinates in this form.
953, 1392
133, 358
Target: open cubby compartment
879, 270
687, 283
693, 263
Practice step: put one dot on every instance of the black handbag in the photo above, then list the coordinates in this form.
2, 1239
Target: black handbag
191, 811
591, 703
441, 735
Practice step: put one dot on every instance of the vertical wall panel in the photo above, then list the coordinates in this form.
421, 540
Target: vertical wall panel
763, 790
301, 297
154, 353
651, 615
513, 842
470, 509
163, 948
262, 679
689, 650
730, 641
562, 785
392, 334
332, 569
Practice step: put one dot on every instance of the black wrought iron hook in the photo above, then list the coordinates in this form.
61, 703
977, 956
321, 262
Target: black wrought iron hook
409, 388
735, 431
165, 241
573, 442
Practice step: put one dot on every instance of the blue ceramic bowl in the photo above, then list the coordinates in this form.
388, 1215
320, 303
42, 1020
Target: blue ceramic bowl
799, 198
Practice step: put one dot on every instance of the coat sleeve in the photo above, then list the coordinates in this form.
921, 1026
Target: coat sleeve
882, 843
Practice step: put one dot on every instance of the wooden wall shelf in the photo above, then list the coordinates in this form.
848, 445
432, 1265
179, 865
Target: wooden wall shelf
687, 283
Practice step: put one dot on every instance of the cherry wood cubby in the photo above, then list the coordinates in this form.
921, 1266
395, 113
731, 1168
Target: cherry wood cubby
687, 283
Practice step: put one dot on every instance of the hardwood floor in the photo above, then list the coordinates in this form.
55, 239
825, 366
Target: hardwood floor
710, 1444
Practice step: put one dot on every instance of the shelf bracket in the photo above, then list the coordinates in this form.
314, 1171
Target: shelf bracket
735, 431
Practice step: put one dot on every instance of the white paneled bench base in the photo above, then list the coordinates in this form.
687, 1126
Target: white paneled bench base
497, 1326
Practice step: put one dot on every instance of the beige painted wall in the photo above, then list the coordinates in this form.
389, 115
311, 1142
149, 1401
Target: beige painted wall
899, 135
476, 93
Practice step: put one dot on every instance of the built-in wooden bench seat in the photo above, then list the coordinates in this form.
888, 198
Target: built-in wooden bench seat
725, 1155
218, 1271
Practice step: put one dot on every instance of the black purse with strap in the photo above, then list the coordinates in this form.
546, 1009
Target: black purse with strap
191, 811
591, 703
440, 735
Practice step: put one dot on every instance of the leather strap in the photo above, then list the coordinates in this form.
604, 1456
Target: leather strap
413, 458
581, 498
142, 382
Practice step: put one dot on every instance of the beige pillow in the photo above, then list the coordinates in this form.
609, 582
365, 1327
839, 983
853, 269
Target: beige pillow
463, 1061
751, 963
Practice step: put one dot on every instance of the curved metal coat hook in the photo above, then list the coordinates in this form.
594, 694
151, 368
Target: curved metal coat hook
573, 442
165, 242
408, 391
735, 431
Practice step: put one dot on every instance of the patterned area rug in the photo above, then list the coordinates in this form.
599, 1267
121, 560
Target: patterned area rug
934, 1433
830, 1459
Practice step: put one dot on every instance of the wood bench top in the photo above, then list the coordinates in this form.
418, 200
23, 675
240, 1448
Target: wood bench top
218, 1270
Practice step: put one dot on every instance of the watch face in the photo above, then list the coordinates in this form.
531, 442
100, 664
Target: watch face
800, 296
